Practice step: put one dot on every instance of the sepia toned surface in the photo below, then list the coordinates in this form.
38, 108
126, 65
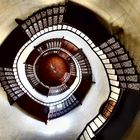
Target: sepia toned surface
116, 14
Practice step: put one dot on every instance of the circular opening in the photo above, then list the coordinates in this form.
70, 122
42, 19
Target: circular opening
52, 69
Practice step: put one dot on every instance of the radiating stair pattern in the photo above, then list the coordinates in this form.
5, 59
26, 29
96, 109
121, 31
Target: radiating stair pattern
84, 64
56, 46
119, 67
10, 85
30, 75
35, 25
122, 63
122, 75
63, 107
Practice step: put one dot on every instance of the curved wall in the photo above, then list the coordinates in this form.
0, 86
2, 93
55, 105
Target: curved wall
116, 14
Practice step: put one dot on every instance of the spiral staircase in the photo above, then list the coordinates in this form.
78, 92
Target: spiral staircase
54, 34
